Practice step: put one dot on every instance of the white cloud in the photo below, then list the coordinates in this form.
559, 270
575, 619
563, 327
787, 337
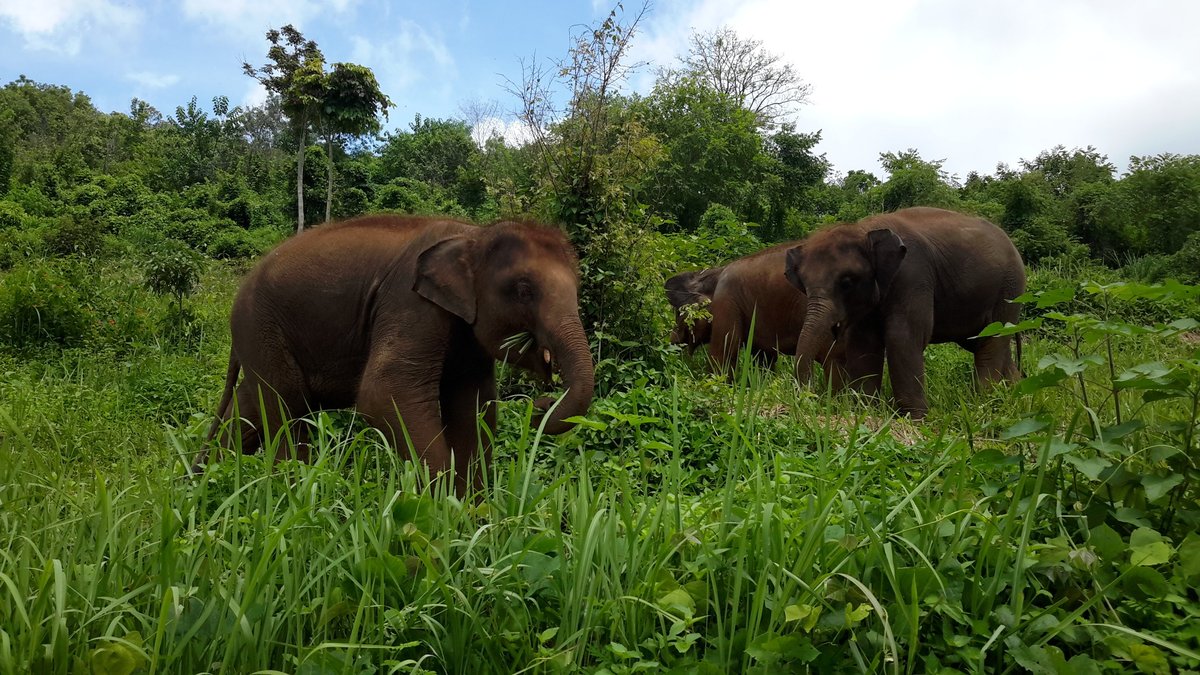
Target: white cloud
256, 95
975, 83
63, 25
254, 17
514, 132
153, 80
412, 55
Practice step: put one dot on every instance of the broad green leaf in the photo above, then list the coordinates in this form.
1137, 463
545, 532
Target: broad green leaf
856, 614
1147, 548
678, 602
1068, 365
623, 652
1149, 659
1025, 427
1040, 381
1002, 328
807, 615
1189, 557
1088, 466
1107, 543
547, 635
1158, 486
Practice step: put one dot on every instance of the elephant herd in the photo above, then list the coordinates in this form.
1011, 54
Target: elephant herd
404, 317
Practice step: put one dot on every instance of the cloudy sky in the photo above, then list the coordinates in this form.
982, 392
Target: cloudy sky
975, 83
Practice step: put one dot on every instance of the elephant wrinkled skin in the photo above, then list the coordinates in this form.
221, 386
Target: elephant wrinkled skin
751, 289
894, 283
402, 315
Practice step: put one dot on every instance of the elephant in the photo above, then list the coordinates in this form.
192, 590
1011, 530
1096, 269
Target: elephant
403, 319
891, 284
752, 287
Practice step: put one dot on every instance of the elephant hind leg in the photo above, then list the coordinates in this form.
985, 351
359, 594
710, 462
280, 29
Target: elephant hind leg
257, 416
993, 362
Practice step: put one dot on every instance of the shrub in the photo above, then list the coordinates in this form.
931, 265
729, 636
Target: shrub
12, 216
39, 306
71, 236
32, 200
18, 245
1184, 264
233, 243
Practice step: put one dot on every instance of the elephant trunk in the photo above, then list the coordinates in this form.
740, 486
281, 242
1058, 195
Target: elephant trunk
570, 347
816, 338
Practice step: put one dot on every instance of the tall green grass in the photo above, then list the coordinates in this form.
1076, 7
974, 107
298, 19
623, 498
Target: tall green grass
688, 525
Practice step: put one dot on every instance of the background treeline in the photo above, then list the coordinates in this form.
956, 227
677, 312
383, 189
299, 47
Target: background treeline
704, 167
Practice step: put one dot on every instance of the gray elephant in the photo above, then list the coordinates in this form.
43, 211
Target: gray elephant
894, 283
403, 318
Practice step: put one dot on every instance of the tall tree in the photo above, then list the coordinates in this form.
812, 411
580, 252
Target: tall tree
760, 81
352, 103
296, 74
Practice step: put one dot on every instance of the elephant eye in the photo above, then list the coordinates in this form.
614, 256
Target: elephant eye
847, 282
524, 291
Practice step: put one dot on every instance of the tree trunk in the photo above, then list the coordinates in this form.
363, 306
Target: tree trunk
300, 183
329, 179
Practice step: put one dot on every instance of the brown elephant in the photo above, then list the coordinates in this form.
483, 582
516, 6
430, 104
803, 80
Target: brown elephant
752, 287
893, 283
405, 316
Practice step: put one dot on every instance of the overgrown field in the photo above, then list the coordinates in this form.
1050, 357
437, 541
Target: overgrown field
689, 525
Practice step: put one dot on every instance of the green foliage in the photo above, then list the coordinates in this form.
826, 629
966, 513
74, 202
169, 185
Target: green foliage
71, 236
39, 306
12, 216
174, 269
233, 243
710, 144
407, 195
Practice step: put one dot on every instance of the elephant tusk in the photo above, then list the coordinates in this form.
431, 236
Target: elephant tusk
546, 356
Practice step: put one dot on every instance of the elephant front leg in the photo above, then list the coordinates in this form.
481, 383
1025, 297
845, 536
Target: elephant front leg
464, 401
400, 397
862, 358
905, 344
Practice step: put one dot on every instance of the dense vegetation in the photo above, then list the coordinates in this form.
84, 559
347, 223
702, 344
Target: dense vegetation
688, 525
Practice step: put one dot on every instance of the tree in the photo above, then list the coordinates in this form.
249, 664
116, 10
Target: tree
742, 69
296, 74
915, 181
592, 157
351, 105
711, 145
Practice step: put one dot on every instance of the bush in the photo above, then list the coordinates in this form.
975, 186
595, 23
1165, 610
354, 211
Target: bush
12, 216
32, 200
1184, 264
40, 306
233, 243
17, 246
70, 236
408, 195
1042, 238
195, 228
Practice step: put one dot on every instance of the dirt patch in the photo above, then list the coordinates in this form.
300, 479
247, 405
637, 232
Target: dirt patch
901, 429
1190, 337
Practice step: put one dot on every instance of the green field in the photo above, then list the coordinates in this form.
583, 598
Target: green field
689, 525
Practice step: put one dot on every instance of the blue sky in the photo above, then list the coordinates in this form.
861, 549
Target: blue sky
976, 82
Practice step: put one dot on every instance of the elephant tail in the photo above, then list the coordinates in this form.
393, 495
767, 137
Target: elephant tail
223, 409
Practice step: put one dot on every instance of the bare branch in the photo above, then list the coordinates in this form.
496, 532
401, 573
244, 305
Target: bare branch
741, 68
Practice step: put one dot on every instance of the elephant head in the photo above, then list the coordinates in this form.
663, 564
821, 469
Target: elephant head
845, 271
690, 293
517, 286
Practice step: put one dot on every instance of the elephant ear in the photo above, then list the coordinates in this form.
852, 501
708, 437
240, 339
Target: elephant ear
688, 288
445, 277
791, 267
887, 252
